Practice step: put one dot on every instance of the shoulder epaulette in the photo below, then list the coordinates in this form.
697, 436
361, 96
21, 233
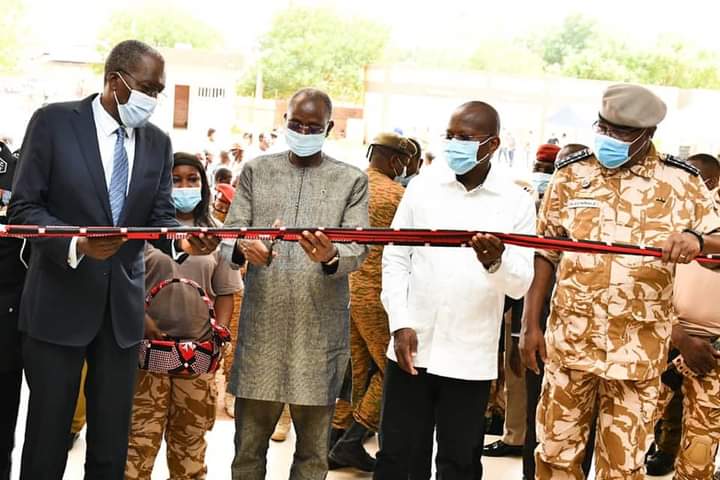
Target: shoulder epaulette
573, 157
680, 163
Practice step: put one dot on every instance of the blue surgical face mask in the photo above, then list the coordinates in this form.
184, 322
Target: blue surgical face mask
461, 155
304, 145
611, 152
186, 199
138, 109
540, 181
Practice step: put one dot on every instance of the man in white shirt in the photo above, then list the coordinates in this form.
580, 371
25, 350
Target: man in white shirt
445, 305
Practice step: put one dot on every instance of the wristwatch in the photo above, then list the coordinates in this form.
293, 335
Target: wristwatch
333, 260
495, 266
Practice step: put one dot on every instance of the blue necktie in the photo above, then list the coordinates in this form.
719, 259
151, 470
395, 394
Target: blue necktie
119, 179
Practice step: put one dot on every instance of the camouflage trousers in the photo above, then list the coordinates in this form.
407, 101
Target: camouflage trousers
626, 410
229, 353
700, 426
181, 408
369, 340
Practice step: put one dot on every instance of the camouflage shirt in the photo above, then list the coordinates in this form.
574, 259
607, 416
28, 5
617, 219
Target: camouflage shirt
385, 196
612, 314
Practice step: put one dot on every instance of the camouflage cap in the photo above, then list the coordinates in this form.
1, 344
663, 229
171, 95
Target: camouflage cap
395, 142
632, 106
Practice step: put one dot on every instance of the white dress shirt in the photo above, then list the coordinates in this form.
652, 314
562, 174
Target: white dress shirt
445, 294
106, 126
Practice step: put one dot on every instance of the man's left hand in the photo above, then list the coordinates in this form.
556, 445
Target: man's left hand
200, 244
680, 248
488, 248
318, 246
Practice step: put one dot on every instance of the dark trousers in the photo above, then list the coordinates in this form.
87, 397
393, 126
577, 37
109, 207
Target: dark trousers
412, 405
9, 404
53, 375
534, 387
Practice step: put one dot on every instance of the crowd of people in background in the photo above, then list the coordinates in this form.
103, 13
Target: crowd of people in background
568, 356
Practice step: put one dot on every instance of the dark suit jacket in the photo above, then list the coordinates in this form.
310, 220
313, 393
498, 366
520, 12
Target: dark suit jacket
60, 181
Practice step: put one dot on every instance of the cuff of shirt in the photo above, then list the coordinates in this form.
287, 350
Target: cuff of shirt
176, 251
551, 256
74, 258
232, 254
399, 320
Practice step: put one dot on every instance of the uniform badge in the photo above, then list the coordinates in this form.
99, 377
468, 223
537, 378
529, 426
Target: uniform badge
583, 203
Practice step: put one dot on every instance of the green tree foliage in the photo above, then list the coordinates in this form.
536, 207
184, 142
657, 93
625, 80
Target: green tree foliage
11, 19
669, 62
160, 25
576, 34
317, 47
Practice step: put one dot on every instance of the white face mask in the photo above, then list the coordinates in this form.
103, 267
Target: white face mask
138, 109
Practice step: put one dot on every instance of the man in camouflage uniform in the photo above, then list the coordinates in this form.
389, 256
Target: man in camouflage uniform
610, 321
389, 155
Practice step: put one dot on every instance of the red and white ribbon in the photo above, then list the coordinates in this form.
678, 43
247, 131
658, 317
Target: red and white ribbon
367, 236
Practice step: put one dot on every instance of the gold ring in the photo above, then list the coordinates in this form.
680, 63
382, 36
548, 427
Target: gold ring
314, 251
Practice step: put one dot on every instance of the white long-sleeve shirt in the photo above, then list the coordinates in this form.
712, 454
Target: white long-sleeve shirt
445, 294
106, 126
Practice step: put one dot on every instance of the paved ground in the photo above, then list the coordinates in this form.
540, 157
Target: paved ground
220, 454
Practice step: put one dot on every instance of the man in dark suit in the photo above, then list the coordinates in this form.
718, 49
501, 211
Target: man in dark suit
14, 255
92, 162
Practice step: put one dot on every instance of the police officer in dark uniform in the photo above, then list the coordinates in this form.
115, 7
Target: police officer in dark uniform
14, 256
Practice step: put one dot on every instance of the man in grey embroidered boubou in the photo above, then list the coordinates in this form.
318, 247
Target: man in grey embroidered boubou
293, 340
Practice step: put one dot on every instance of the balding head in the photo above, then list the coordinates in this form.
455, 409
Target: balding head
479, 116
311, 96
709, 167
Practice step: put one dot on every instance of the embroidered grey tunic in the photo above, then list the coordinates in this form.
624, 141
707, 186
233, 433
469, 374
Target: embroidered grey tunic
293, 339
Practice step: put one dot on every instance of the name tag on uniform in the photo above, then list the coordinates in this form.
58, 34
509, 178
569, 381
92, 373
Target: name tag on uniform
583, 203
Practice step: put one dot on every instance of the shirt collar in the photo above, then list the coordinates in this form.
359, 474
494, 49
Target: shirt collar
105, 122
493, 182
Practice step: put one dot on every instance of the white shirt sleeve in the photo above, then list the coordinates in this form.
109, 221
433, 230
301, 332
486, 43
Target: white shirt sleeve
516, 272
74, 258
396, 265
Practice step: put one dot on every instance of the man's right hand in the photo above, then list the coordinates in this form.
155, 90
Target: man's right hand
532, 344
255, 251
100, 248
406, 345
699, 354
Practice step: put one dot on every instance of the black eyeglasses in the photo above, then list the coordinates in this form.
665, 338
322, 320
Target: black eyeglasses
299, 127
150, 92
615, 132
466, 138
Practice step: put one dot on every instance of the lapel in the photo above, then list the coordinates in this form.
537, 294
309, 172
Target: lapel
86, 132
142, 153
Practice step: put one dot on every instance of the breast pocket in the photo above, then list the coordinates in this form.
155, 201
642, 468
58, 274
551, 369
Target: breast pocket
584, 219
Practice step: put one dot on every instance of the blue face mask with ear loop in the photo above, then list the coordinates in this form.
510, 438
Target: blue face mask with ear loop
304, 145
461, 155
186, 199
611, 152
139, 108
